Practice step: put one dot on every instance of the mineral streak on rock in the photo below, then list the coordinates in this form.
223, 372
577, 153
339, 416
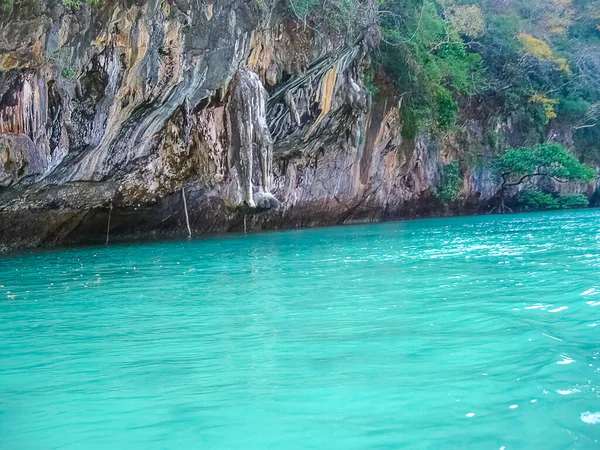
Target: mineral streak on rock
251, 140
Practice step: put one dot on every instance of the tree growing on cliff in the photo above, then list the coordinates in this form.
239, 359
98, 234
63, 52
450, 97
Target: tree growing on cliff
424, 54
547, 160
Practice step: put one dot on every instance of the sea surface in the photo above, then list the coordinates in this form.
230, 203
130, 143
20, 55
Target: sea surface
461, 333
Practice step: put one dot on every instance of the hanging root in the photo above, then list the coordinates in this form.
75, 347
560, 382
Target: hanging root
317, 71
108, 225
187, 217
323, 74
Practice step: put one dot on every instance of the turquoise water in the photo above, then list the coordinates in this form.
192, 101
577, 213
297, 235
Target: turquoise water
466, 333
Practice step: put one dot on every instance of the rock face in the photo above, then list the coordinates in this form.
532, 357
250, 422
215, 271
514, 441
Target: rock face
118, 106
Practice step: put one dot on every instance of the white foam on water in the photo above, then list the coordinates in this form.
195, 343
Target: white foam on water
513, 406
567, 391
534, 400
555, 310
552, 337
591, 418
589, 291
566, 361
538, 306
593, 303
470, 414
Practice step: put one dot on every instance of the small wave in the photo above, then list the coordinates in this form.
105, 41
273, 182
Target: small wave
591, 418
566, 361
567, 391
555, 310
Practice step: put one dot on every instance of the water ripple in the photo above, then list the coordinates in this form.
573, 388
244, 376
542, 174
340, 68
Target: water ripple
476, 332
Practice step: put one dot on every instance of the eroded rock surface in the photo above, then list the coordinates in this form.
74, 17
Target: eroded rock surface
262, 120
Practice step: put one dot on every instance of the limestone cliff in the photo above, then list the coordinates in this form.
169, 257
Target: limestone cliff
114, 108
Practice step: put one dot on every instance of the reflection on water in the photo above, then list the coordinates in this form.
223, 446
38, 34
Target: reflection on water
474, 332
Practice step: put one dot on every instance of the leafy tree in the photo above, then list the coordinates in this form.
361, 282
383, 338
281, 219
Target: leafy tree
572, 201
547, 103
534, 199
468, 20
550, 160
541, 50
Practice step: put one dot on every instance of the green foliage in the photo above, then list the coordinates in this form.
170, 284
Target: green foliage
546, 103
302, 8
75, 4
67, 72
534, 199
541, 50
528, 73
6, 6
468, 20
550, 160
573, 107
450, 183
572, 201
543, 160
423, 52
447, 108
